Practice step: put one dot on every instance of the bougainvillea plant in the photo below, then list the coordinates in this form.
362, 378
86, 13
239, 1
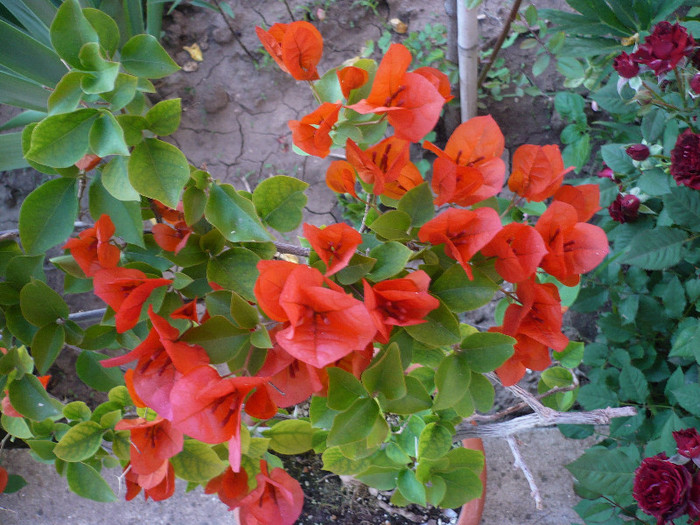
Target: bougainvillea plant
214, 331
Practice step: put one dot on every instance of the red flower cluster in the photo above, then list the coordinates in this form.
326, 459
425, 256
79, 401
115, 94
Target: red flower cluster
685, 160
669, 489
93, 249
277, 498
172, 234
322, 323
661, 51
296, 47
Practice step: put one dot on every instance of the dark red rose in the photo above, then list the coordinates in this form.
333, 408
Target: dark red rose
625, 65
685, 160
665, 47
688, 442
638, 151
694, 499
695, 83
662, 489
625, 208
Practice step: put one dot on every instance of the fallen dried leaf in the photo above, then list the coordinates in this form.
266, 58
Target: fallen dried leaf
194, 51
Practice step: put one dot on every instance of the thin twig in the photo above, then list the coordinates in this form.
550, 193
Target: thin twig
499, 43
283, 247
233, 32
291, 15
520, 463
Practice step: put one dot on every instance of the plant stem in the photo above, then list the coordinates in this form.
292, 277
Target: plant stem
499, 43
681, 86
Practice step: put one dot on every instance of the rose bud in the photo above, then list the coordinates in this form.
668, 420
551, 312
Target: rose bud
695, 83
625, 65
662, 488
608, 173
625, 208
688, 442
638, 152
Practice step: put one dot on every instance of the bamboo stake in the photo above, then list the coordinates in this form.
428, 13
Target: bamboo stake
468, 50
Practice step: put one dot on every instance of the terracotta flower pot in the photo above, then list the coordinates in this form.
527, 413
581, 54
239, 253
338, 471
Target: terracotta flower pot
472, 510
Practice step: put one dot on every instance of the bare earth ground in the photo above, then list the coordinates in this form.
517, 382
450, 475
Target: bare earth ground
235, 123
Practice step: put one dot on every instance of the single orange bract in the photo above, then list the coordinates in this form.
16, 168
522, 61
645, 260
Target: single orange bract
296, 47
538, 171
311, 133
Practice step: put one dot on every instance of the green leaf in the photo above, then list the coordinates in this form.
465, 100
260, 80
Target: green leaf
106, 136
80, 442
481, 392
197, 462
415, 400
16, 426
115, 179
410, 488
354, 424
459, 293
158, 170
143, 56
385, 374
236, 270
28, 57
653, 124
418, 204
280, 201
434, 441
391, 258
688, 397
61, 140
683, 206
452, 381
106, 28
571, 356
11, 152
440, 329
46, 345
30, 399
486, 351
462, 485
244, 313
357, 268
540, 64
164, 118
77, 411
335, 461
602, 471
343, 389
100, 74
41, 305
133, 126
655, 249
570, 67
70, 30
123, 92
126, 215
633, 385
219, 338
94, 375
194, 201
393, 225
292, 436
67, 95
234, 215
615, 157
86, 482
47, 215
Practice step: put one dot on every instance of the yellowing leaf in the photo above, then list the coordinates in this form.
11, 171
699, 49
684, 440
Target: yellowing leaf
195, 52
